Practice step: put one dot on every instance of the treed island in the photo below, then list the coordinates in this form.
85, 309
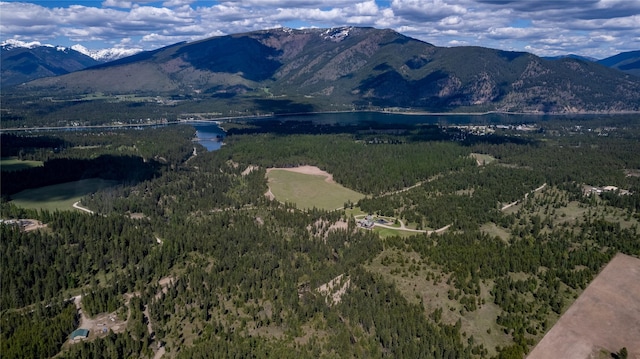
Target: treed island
427, 241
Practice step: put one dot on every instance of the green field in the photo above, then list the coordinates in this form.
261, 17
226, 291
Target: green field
60, 196
9, 164
308, 191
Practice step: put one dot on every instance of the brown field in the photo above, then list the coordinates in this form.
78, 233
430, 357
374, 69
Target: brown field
605, 318
307, 170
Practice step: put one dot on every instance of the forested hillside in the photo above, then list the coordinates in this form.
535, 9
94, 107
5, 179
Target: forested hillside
190, 259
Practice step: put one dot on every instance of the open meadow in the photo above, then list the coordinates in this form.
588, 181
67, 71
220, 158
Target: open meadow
8, 164
60, 196
309, 188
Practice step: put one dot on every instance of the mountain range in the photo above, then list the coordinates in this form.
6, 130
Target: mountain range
23, 62
356, 68
628, 62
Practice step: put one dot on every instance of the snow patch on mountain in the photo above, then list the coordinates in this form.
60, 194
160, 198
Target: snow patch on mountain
337, 34
12, 44
106, 54
102, 55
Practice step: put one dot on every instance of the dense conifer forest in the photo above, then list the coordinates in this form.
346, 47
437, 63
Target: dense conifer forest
192, 259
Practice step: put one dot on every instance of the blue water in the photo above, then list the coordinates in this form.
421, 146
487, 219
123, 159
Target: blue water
390, 118
208, 134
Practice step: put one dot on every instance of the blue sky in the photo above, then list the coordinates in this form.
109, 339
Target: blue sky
596, 28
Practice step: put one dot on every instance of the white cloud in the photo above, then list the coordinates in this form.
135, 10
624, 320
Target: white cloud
177, 3
124, 4
426, 10
450, 21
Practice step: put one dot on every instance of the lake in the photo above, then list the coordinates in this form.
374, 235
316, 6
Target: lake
210, 135
413, 119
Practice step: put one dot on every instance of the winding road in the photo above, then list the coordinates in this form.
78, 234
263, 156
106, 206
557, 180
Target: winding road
77, 206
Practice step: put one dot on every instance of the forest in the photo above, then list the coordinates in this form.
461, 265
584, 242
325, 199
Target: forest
191, 256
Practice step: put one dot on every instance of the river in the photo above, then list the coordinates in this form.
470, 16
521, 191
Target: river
208, 134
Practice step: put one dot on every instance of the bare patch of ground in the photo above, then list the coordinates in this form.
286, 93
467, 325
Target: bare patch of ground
100, 324
32, 225
632, 173
270, 195
322, 227
137, 215
339, 225
307, 170
605, 317
482, 159
334, 289
249, 169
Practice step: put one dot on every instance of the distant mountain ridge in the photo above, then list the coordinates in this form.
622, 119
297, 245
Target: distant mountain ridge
27, 61
628, 62
22, 64
571, 56
101, 55
357, 68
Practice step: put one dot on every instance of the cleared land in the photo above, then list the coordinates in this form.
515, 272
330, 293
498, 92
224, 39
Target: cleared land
605, 317
482, 159
309, 187
9, 164
61, 196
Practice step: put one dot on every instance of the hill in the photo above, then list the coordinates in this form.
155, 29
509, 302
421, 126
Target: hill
628, 62
285, 70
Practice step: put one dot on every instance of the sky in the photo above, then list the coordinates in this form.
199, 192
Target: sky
594, 28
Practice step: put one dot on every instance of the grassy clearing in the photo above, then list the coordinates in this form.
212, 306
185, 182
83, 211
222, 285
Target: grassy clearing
494, 230
414, 278
387, 232
308, 191
483, 159
61, 196
10, 164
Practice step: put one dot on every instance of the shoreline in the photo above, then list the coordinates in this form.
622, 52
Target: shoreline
220, 120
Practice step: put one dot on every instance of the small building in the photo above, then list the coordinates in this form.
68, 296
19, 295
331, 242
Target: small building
79, 334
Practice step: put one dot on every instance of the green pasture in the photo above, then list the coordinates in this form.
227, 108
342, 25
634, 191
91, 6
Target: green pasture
60, 196
387, 232
308, 191
9, 164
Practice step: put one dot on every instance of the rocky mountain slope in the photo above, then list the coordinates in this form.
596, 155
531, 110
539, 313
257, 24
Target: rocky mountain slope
25, 63
349, 68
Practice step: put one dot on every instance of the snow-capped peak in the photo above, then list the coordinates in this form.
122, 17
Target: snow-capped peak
106, 54
13, 43
102, 55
